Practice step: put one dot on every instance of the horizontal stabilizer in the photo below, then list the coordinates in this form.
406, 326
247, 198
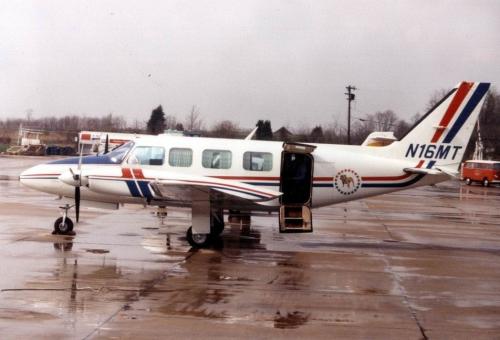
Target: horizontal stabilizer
422, 171
433, 171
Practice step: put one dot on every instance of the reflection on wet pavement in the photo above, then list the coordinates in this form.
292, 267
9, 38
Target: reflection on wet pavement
416, 264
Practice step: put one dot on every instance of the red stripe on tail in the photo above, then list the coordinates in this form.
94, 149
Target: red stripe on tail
462, 91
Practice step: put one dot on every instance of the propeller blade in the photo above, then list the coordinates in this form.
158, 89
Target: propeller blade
106, 146
80, 161
77, 203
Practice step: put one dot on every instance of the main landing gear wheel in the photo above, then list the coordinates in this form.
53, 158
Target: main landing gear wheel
63, 228
198, 240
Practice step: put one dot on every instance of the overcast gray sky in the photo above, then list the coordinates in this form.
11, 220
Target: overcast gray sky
288, 61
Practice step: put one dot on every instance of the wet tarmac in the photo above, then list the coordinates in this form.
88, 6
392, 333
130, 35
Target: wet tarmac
418, 264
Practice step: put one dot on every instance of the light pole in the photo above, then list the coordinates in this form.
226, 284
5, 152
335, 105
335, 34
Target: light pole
350, 97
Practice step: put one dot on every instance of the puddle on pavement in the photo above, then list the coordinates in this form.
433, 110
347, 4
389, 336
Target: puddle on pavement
18, 314
290, 319
129, 234
97, 251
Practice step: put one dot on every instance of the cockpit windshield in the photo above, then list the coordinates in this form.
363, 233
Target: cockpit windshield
117, 154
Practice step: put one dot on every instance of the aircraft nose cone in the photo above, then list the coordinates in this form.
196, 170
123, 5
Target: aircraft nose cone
26, 177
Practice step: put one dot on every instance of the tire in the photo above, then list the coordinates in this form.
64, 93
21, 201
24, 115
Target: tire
63, 229
486, 182
198, 240
468, 181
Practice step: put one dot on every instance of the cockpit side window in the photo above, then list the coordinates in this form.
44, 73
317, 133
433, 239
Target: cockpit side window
147, 155
116, 155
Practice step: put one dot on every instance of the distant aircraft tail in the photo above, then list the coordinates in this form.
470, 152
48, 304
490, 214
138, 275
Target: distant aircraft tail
439, 138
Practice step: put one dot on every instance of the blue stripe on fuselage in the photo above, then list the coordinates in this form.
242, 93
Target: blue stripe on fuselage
133, 188
143, 185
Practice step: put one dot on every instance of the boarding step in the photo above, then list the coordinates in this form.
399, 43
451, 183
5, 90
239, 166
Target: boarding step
295, 219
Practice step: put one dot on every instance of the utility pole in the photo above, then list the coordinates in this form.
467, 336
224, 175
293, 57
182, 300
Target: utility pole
350, 97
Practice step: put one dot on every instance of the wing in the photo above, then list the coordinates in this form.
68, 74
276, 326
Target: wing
173, 187
178, 187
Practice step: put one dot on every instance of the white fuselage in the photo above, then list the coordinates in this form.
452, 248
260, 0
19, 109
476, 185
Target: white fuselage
341, 172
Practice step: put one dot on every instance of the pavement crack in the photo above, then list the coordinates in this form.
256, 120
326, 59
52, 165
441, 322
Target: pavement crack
404, 295
273, 280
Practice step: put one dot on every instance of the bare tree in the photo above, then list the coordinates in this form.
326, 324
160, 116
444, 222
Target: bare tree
225, 129
170, 122
435, 98
333, 134
193, 120
401, 128
385, 120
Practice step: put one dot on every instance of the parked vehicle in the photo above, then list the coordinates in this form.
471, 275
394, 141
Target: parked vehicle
485, 172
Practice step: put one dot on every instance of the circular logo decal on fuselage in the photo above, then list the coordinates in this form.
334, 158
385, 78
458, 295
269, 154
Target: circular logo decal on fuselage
347, 181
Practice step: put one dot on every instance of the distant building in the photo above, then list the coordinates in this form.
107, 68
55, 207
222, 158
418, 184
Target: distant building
92, 142
282, 134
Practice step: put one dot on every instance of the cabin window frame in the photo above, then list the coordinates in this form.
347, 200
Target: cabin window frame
177, 164
225, 163
250, 163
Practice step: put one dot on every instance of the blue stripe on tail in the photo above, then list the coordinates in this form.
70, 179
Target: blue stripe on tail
481, 90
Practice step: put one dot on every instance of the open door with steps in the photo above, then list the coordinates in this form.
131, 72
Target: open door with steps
296, 182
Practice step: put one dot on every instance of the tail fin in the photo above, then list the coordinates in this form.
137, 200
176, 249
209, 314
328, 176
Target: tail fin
440, 137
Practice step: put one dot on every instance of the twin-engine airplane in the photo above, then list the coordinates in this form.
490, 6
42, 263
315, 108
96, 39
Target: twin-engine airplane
212, 175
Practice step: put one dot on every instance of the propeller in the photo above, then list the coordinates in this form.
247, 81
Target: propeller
74, 178
77, 182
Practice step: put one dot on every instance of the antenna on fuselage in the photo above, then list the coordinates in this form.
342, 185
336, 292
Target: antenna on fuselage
251, 134
106, 145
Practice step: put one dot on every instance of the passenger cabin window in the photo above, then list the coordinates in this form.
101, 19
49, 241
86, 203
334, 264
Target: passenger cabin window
216, 159
147, 155
257, 161
180, 157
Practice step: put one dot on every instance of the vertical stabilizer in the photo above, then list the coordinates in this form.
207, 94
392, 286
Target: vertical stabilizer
440, 137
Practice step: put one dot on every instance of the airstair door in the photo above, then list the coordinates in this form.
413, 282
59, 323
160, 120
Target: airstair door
296, 183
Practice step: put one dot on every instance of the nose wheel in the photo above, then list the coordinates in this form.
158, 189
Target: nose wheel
64, 225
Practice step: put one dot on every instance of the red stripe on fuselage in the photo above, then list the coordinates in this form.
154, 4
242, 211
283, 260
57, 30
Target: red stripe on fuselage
138, 173
257, 178
462, 91
126, 173
391, 178
247, 178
